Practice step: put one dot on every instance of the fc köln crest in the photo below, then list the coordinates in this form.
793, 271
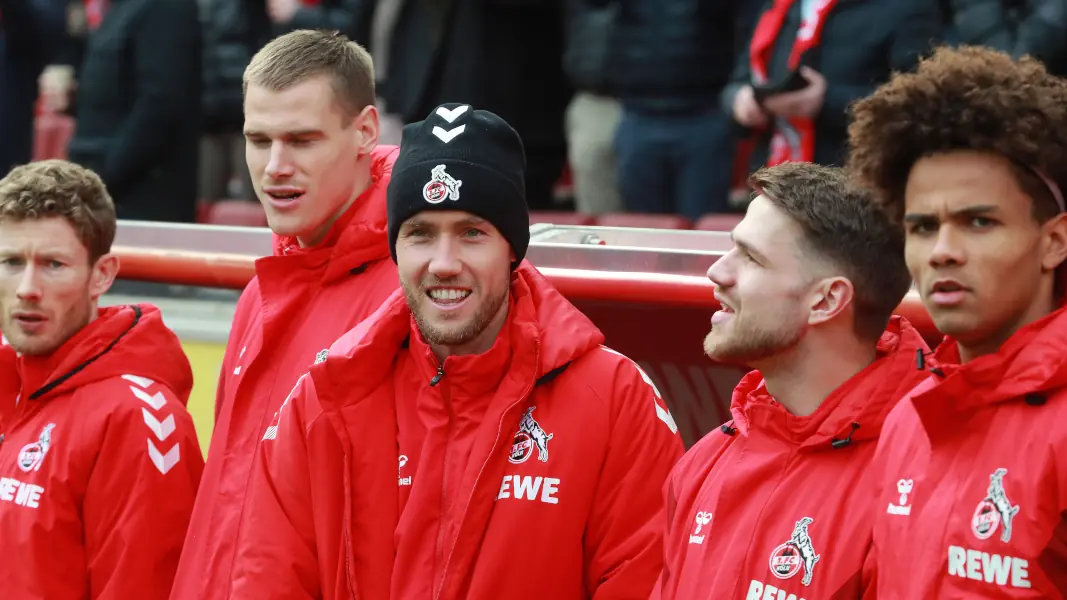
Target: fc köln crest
528, 438
994, 511
32, 455
796, 555
441, 186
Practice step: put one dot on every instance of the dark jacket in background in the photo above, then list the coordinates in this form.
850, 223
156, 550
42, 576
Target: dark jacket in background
863, 41
673, 56
498, 55
30, 30
233, 30
1018, 27
139, 105
589, 46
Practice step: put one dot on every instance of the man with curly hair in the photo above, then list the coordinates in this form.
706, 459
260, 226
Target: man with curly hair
969, 153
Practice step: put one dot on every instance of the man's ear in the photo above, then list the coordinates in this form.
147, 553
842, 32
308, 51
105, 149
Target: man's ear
104, 273
367, 129
830, 297
1054, 247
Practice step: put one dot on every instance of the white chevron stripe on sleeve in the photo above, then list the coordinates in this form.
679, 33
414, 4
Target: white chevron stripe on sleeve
163, 428
156, 401
164, 462
141, 381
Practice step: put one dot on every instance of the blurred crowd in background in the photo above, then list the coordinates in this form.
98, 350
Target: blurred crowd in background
625, 106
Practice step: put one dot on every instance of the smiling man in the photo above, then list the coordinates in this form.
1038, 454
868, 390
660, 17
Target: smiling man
774, 503
970, 153
311, 132
99, 461
473, 439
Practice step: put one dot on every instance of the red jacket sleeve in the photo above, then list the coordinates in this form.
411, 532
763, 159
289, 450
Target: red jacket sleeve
139, 497
624, 536
276, 552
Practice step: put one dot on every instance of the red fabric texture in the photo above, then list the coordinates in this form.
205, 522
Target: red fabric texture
297, 305
973, 481
738, 499
793, 139
97, 473
539, 461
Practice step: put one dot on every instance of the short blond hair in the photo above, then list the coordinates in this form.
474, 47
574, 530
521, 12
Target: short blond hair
58, 188
305, 53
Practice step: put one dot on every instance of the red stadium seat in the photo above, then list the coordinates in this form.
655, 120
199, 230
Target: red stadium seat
650, 221
561, 218
718, 222
241, 213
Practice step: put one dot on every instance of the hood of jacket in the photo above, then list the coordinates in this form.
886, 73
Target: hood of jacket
122, 340
360, 235
1032, 362
855, 411
541, 321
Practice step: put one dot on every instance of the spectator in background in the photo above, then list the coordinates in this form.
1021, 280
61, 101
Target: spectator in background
1018, 27
138, 107
500, 55
233, 30
675, 149
836, 52
594, 112
290, 15
30, 30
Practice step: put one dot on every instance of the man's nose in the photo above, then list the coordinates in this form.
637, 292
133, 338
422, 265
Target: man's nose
948, 248
280, 165
445, 261
29, 287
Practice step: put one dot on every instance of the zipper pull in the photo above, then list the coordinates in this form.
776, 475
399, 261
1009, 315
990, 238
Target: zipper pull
437, 378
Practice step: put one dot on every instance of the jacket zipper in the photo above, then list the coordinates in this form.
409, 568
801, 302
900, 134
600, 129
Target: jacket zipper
499, 429
440, 375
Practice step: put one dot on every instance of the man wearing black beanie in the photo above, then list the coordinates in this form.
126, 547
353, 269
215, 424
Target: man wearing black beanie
531, 457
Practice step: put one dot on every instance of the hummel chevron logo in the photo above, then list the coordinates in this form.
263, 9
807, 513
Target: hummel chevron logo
141, 381
163, 428
163, 462
449, 134
156, 401
452, 115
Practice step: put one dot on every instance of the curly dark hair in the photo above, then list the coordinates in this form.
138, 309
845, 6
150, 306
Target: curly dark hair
964, 98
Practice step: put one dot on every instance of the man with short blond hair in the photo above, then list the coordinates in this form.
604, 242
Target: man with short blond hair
99, 460
311, 131
303, 54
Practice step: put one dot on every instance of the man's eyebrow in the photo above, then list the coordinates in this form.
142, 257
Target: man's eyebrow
976, 210
285, 134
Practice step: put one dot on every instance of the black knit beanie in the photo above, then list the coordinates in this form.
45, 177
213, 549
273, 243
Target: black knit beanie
462, 159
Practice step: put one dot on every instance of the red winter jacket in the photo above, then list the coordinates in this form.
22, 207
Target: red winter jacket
99, 462
972, 468
530, 471
777, 506
299, 303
